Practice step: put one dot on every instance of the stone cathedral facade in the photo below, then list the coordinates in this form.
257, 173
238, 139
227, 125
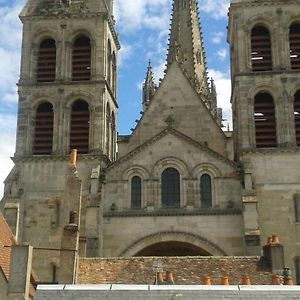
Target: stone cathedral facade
178, 185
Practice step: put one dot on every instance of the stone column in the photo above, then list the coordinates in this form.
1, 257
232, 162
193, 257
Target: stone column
20, 272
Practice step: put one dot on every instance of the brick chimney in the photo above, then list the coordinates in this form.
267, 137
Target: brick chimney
20, 272
273, 254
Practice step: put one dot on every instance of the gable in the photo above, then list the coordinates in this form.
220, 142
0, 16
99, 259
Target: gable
176, 103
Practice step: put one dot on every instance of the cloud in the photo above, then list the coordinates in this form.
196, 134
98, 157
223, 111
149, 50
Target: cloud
217, 9
216, 37
223, 85
222, 54
124, 54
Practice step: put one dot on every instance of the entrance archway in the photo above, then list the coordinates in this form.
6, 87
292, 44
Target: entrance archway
172, 243
173, 248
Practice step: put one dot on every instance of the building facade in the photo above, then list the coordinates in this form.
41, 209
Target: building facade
179, 185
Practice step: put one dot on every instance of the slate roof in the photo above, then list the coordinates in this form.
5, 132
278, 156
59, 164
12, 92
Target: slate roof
186, 270
6, 241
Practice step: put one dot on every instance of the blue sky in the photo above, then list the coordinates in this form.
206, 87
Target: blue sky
143, 27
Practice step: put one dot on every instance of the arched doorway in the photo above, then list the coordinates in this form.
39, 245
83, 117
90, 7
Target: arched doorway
173, 248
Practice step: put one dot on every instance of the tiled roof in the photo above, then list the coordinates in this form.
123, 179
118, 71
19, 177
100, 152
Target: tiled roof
186, 270
6, 241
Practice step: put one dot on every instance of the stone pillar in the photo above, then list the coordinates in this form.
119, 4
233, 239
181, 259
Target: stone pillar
20, 272
69, 254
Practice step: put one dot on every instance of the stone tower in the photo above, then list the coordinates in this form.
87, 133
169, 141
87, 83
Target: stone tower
67, 100
264, 38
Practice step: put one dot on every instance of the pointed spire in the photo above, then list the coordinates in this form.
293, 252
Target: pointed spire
186, 44
149, 86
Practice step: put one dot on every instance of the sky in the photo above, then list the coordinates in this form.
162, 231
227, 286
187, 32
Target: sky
143, 28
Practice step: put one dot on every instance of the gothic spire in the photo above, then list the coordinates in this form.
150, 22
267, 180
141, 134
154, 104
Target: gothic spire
149, 86
186, 44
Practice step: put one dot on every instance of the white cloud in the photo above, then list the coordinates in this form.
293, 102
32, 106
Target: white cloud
216, 37
215, 8
124, 54
222, 54
223, 85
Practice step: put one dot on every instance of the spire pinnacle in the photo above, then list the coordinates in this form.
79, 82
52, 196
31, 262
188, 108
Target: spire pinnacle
186, 44
149, 86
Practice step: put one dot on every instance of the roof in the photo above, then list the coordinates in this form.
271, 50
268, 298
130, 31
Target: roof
186, 270
166, 292
6, 241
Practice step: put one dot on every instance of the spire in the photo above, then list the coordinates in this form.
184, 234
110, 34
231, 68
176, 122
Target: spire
149, 86
186, 44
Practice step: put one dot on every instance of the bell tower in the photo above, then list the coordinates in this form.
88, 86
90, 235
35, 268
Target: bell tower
264, 38
67, 100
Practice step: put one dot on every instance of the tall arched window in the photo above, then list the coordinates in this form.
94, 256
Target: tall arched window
261, 52
108, 61
297, 116
136, 192
46, 62
265, 121
294, 36
43, 134
81, 59
108, 129
205, 191
114, 73
113, 136
80, 124
170, 188
297, 208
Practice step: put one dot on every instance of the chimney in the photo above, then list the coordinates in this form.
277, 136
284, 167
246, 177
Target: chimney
20, 272
69, 254
273, 254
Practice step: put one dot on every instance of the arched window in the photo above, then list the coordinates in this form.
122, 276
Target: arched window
108, 129
294, 36
136, 192
170, 188
80, 124
108, 61
81, 59
261, 53
297, 116
113, 136
43, 134
114, 73
265, 122
205, 191
46, 62
297, 208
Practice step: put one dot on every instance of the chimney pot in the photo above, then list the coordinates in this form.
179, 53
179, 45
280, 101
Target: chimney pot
224, 280
275, 240
275, 279
269, 241
206, 280
169, 277
159, 278
288, 281
246, 280
73, 157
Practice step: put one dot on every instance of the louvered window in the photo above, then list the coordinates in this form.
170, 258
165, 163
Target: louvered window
170, 188
261, 53
206, 191
297, 268
46, 62
79, 136
265, 122
297, 116
109, 63
81, 59
297, 208
43, 133
295, 46
136, 192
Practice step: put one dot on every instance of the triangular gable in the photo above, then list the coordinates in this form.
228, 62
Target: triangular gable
177, 100
177, 134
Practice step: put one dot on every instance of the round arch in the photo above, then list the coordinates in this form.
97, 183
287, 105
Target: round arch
182, 238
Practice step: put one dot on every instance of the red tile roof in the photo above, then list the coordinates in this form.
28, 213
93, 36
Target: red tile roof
186, 270
6, 241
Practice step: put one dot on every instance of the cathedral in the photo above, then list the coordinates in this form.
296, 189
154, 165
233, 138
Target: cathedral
178, 185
